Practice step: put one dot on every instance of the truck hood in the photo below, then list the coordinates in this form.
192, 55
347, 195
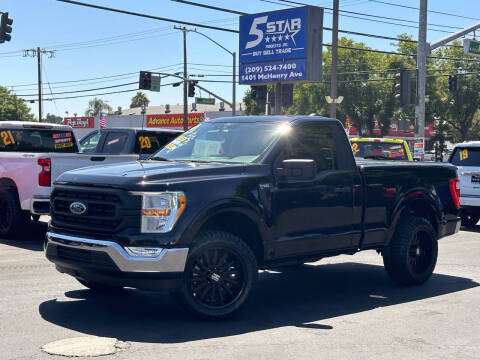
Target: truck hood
142, 173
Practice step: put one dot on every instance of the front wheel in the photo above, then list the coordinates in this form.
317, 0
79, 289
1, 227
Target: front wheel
219, 275
469, 219
412, 254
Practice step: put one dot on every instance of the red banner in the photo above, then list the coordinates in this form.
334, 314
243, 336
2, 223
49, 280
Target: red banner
173, 120
79, 122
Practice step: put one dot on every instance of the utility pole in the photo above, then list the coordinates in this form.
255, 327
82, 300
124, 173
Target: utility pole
333, 79
278, 98
38, 53
422, 72
234, 81
185, 76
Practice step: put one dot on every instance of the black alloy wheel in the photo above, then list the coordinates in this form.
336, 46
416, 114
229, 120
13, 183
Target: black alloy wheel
219, 275
216, 277
420, 252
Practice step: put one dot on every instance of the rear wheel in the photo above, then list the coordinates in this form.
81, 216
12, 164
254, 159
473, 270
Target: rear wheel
12, 219
219, 275
412, 254
469, 219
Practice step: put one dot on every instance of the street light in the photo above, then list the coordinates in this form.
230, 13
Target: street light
234, 77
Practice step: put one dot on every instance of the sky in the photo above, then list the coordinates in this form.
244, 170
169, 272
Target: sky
92, 44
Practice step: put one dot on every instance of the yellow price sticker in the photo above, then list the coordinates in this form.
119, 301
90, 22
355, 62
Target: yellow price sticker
145, 142
182, 138
355, 148
463, 154
170, 146
7, 137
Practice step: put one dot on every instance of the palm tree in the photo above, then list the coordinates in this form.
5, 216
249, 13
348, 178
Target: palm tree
96, 106
138, 100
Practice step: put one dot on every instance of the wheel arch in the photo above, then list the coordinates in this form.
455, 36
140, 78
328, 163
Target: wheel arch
234, 217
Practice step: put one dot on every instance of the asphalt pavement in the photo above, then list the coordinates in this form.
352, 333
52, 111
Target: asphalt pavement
338, 308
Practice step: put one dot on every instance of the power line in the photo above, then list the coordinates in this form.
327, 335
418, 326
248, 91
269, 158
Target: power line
430, 11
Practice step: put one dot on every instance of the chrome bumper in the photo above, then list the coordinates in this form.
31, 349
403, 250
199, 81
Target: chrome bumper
169, 260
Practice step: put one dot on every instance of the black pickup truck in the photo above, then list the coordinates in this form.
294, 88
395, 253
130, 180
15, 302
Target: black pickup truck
233, 195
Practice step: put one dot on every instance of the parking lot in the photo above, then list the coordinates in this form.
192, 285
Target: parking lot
344, 307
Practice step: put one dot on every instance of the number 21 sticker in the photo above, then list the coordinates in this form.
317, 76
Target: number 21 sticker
7, 137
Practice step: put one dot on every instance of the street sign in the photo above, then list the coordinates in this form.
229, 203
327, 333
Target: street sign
206, 101
471, 47
281, 46
418, 148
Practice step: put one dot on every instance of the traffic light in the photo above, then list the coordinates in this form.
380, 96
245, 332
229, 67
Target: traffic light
5, 28
403, 88
452, 83
287, 95
145, 81
191, 88
259, 94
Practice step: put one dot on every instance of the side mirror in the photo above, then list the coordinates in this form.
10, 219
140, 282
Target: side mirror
297, 170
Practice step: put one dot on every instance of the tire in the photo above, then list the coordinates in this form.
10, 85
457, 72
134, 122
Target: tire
412, 254
469, 219
100, 288
13, 220
219, 275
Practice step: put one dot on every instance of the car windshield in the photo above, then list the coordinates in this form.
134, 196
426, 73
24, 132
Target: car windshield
379, 150
466, 156
233, 142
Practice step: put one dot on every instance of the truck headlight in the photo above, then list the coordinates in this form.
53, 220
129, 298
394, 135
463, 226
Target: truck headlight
160, 211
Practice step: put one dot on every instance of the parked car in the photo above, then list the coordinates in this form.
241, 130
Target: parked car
32, 155
381, 149
466, 157
233, 195
142, 142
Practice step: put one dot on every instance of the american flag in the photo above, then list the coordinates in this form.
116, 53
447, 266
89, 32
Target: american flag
102, 122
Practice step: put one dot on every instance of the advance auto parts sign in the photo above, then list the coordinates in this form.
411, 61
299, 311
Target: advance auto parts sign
281, 46
173, 120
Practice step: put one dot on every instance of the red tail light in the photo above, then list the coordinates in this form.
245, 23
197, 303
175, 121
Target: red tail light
45, 176
455, 191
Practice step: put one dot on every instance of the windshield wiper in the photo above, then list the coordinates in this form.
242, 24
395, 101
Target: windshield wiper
159, 158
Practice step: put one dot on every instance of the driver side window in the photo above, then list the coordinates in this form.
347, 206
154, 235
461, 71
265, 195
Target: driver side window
89, 145
314, 142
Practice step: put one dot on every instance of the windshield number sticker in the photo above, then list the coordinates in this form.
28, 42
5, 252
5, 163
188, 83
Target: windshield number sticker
182, 138
145, 142
170, 146
7, 138
355, 148
464, 154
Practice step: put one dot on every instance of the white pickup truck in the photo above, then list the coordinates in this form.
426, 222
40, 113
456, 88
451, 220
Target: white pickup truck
32, 156
466, 157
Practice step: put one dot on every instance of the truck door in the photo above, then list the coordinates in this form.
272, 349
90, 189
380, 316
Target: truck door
316, 215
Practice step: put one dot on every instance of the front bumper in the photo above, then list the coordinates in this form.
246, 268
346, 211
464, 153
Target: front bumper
109, 263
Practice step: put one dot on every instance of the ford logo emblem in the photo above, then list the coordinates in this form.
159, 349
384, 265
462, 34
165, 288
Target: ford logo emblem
78, 208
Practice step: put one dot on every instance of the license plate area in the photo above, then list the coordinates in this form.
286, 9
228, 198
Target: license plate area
475, 179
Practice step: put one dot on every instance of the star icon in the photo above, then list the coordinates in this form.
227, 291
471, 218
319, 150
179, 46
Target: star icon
279, 37
267, 39
274, 38
287, 36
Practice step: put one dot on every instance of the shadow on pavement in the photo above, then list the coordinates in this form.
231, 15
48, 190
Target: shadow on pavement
31, 238
312, 293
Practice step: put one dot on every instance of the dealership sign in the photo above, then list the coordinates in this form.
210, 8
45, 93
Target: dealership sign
172, 120
281, 46
80, 122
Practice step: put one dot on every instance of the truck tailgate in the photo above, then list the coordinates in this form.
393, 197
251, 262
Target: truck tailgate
65, 162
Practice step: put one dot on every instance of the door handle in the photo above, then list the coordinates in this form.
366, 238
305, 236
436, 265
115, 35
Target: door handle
97, 158
342, 189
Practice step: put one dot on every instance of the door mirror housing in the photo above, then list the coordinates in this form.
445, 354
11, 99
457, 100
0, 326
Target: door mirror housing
297, 170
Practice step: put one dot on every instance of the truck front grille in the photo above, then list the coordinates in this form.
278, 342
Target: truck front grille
103, 210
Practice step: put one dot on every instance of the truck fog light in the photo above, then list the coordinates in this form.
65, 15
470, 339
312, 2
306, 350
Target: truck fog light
143, 251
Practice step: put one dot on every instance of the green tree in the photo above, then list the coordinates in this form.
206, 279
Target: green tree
251, 107
95, 106
13, 108
138, 100
54, 119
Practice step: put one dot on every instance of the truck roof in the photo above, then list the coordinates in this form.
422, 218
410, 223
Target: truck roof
468, 144
138, 129
33, 124
273, 118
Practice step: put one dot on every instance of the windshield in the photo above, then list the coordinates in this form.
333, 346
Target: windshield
379, 150
37, 141
466, 157
222, 142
